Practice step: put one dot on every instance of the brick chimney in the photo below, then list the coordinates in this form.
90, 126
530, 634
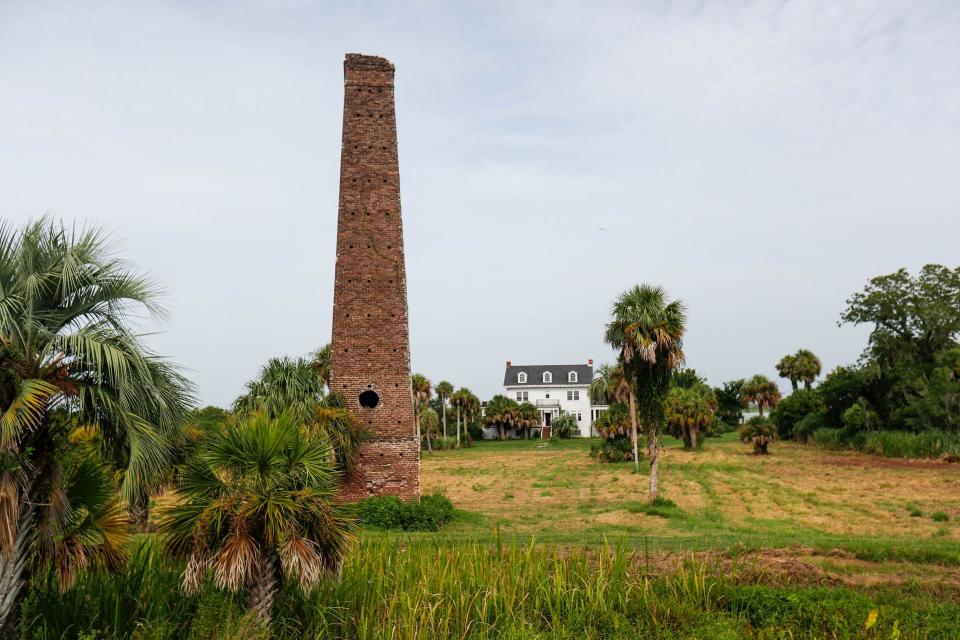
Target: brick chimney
509, 364
590, 362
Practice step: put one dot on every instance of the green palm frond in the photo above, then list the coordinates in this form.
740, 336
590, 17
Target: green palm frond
263, 485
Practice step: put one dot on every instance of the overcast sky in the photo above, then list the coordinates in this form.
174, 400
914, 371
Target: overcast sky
759, 160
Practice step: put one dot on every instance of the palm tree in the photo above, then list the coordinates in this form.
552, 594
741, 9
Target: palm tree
258, 508
69, 355
322, 360
787, 368
761, 391
760, 432
689, 410
444, 389
284, 385
457, 400
502, 412
421, 394
528, 416
295, 386
807, 367
647, 330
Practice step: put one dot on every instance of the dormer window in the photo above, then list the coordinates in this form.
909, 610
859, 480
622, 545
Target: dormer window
572, 376
522, 377
547, 377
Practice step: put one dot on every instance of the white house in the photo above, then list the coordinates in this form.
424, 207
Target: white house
554, 389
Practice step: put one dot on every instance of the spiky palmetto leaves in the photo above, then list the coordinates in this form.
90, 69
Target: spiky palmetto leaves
645, 327
285, 385
342, 429
84, 526
322, 361
68, 318
263, 489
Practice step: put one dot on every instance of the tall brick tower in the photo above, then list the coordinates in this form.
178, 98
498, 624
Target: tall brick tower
371, 345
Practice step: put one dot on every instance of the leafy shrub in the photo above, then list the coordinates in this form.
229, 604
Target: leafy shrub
827, 438
803, 430
475, 430
793, 409
940, 516
618, 449
390, 512
440, 443
564, 426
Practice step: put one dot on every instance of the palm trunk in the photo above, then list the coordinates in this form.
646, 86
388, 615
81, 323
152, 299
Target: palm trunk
140, 511
654, 461
793, 383
458, 427
806, 385
444, 411
264, 586
14, 570
693, 437
429, 444
760, 409
633, 430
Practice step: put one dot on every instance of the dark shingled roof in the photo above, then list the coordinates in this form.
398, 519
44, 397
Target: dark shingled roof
535, 373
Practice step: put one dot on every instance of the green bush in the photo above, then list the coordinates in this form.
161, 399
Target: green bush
793, 409
803, 430
618, 449
940, 516
440, 443
390, 512
827, 438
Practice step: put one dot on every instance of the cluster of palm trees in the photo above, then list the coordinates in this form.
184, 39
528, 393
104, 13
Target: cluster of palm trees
92, 423
426, 421
803, 366
506, 413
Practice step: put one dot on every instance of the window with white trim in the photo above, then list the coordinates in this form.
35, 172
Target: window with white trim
522, 396
547, 377
572, 376
573, 395
522, 377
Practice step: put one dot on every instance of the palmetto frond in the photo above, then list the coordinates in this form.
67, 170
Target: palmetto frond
69, 312
284, 385
262, 486
90, 528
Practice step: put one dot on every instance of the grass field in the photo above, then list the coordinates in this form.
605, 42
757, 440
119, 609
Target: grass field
817, 513
548, 544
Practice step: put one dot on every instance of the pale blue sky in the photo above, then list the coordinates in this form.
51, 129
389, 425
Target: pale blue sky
760, 160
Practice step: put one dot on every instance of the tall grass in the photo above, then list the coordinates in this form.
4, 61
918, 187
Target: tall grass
893, 444
402, 587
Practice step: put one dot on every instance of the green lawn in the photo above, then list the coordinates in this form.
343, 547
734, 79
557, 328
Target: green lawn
822, 502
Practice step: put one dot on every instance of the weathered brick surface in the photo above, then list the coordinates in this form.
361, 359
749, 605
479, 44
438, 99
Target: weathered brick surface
371, 345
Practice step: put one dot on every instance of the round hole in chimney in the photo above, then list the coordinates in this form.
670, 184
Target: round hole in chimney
369, 399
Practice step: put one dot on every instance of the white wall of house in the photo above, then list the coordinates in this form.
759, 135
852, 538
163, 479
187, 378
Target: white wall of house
572, 399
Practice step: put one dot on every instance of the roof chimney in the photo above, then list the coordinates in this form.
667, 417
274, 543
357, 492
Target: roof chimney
590, 362
509, 364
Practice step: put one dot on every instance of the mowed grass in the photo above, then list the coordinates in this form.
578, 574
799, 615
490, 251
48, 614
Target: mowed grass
725, 497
